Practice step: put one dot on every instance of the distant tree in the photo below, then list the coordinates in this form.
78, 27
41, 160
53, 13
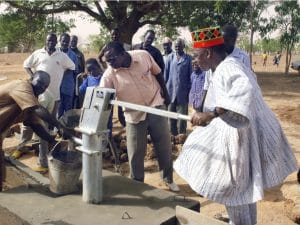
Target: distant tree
17, 34
23, 31
244, 43
271, 45
256, 20
287, 20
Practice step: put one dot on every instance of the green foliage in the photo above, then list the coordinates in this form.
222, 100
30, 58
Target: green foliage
244, 43
97, 42
288, 22
233, 12
24, 31
268, 45
129, 16
18, 31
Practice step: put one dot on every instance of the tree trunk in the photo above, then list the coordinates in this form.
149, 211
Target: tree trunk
251, 31
289, 58
286, 71
127, 32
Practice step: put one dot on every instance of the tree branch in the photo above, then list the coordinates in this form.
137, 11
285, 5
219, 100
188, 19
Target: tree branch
152, 22
80, 7
100, 10
155, 21
148, 6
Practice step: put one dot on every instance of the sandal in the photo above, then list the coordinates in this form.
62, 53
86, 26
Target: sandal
17, 154
222, 217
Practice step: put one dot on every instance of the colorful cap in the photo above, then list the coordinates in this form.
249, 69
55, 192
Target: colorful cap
207, 37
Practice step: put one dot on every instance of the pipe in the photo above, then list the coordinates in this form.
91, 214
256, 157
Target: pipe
151, 110
92, 187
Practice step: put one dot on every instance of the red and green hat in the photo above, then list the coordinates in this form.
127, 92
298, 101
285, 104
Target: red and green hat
207, 37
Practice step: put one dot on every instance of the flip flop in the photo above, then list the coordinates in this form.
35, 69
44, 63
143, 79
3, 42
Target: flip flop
17, 154
222, 217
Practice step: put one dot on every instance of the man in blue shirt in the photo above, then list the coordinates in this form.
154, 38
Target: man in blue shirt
67, 87
92, 80
94, 75
178, 81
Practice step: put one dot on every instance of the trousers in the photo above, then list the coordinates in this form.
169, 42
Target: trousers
137, 145
242, 214
178, 126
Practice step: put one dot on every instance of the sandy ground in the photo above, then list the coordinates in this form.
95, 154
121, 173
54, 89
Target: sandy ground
282, 93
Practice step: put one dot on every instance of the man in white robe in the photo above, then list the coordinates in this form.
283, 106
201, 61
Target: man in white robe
239, 148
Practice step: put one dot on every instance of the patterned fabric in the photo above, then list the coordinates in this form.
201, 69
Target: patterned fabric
238, 155
242, 214
207, 37
242, 56
196, 93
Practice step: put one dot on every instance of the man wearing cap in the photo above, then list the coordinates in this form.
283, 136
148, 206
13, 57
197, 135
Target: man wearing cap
239, 148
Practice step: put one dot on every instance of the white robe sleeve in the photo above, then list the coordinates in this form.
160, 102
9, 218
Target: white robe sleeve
234, 90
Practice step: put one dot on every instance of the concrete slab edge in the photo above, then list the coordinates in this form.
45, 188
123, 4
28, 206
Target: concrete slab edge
34, 175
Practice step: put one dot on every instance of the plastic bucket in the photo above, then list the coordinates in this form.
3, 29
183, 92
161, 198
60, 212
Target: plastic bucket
64, 169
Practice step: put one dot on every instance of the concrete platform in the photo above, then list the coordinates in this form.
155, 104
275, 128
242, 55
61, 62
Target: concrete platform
125, 202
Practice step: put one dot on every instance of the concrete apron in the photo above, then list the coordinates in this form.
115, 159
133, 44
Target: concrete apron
125, 202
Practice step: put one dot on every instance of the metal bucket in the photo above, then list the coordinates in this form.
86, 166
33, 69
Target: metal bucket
64, 169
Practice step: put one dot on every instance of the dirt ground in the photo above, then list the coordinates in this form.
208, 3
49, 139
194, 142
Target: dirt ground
281, 92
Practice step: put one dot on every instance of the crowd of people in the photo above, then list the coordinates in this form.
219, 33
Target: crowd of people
238, 148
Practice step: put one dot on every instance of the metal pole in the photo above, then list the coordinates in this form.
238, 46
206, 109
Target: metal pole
151, 110
92, 190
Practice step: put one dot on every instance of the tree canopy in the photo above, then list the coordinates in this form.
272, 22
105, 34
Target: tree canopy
129, 16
